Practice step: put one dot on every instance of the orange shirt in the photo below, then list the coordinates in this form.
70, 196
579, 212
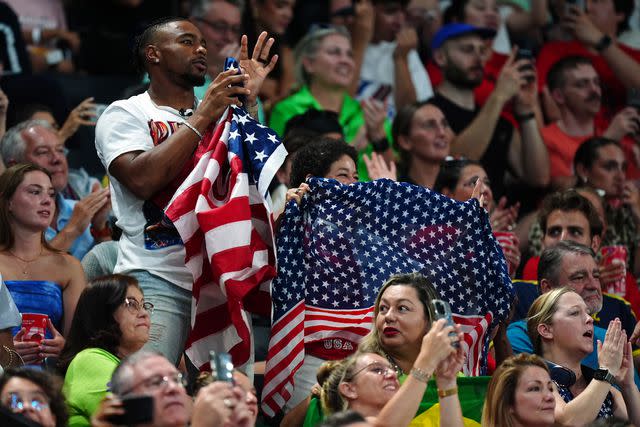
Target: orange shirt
561, 148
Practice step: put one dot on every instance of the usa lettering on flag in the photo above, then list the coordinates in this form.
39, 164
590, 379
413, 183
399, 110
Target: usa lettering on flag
223, 218
340, 245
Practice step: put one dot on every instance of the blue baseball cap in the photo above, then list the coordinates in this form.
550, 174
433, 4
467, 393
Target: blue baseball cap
452, 31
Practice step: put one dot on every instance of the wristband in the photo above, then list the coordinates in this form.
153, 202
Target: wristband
447, 392
190, 126
380, 145
521, 118
420, 375
603, 43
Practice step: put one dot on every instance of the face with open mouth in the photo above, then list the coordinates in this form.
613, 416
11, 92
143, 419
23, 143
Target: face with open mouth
429, 136
571, 326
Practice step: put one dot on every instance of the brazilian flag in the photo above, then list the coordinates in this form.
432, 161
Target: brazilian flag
471, 392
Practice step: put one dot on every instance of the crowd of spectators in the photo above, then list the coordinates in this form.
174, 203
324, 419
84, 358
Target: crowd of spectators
530, 106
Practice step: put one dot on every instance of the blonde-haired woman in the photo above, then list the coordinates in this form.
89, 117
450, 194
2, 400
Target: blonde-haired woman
368, 384
561, 330
520, 393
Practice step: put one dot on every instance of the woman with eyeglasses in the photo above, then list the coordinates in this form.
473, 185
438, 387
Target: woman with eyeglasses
324, 68
34, 394
111, 322
457, 179
41, 279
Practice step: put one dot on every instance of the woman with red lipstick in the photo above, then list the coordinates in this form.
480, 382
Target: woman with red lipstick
368, 384
111, 322
41, 279
520, 393
561, 331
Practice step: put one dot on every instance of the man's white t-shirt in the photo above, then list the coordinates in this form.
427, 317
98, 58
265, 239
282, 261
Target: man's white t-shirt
378, 69
149, 242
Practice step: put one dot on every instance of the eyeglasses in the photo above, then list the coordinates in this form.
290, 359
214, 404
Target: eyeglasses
134, 306
37, 401
376, 368
221, 27
158, 382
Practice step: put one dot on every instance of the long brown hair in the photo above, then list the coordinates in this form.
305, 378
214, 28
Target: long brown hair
370, 343
10, 180
501, 391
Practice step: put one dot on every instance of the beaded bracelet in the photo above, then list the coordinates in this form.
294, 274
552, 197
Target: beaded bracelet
420, 374
193, 128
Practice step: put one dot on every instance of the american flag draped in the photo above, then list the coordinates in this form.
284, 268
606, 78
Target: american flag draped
224, 221
343, 242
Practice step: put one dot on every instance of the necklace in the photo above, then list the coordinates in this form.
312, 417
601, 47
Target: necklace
25, 261
394, 364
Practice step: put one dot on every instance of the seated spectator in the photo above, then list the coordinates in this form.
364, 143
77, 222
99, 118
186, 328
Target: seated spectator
150, 373
332, 159
575, 88
561, 330
40, 278
367, 383
274, 17
34, 394
324, 69
83, 114
422, 136
44, 29
80, 184
9, 319
593, 34
481, 134
111, 321
391, 61
520, 393
457, 179
600, 164
570, 264
75, 225
578, 215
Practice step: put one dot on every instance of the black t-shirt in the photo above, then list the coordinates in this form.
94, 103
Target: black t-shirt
13, 52
495, 159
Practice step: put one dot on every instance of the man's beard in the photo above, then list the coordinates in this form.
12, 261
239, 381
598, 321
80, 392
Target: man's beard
193, 80
459, 78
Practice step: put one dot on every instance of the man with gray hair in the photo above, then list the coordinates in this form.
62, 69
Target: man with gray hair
77, 224
150, 373
220, 22
573, 265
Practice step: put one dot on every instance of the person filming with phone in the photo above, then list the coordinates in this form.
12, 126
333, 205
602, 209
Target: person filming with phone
148, 390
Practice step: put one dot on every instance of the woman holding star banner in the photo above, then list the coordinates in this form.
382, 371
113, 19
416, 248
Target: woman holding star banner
338, 246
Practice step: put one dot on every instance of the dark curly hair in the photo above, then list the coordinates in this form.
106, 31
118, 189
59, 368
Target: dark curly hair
50, 384
316, 158
93, 323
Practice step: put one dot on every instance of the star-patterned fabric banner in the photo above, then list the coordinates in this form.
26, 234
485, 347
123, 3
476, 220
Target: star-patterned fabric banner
344, 242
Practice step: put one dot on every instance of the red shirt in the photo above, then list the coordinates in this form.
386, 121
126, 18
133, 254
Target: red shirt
614, 94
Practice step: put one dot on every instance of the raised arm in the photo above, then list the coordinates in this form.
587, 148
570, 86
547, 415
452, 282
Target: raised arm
436, 347
626, 69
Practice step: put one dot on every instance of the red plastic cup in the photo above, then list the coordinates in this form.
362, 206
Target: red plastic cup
36, 326
610, 255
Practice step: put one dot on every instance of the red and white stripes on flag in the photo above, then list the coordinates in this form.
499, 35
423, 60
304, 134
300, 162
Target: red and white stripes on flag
224, 220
